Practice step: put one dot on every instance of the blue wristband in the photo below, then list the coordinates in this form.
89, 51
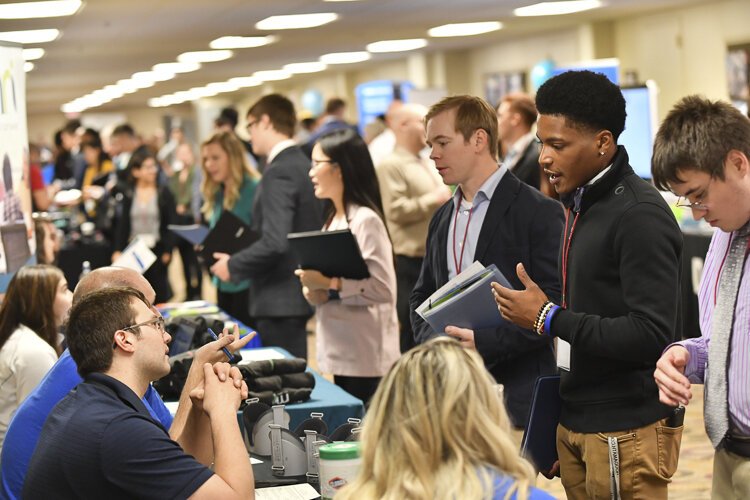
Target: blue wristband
548, 320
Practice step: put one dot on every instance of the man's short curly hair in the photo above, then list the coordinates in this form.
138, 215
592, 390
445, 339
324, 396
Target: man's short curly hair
585, 99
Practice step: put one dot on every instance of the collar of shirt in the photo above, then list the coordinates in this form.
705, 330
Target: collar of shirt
464, 231
486, 190
278, 148
122, 392
599, 175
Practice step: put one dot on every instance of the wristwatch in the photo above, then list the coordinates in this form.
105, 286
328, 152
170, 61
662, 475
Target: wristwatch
333, 291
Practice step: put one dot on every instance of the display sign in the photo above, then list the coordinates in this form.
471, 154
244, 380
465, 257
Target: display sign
17, 243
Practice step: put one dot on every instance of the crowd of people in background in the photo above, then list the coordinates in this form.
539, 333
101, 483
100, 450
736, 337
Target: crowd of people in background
539, 187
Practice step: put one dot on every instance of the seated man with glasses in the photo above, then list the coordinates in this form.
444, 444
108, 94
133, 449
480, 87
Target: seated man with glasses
101, 441
702, 154
25, 427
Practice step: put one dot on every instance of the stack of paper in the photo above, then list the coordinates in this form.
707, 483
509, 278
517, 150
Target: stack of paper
465, 301
137, 256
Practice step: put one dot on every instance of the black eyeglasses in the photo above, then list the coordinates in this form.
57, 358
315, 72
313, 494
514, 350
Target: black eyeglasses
250, 124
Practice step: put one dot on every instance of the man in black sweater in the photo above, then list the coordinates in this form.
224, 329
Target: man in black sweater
619, 265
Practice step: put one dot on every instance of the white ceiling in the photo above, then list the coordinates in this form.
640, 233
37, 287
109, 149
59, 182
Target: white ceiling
109, 40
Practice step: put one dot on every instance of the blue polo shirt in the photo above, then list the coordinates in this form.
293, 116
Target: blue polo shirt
26, 425
100, 441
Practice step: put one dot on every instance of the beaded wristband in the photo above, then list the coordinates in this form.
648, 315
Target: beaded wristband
542, 316
539, 315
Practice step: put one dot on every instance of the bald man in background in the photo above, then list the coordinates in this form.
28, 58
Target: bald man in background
384, 143
26, 426
412, 190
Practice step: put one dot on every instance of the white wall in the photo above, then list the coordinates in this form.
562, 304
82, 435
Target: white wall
683, 50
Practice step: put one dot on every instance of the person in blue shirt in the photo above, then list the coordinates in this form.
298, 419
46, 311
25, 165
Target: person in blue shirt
26, 426
437, 428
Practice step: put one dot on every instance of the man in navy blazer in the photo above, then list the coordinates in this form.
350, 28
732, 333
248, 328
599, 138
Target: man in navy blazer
495, 219
284, 203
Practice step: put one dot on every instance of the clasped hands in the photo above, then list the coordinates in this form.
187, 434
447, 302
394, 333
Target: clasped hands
221, 385
315, 285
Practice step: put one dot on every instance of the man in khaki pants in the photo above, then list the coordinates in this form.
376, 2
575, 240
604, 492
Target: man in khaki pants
620, 271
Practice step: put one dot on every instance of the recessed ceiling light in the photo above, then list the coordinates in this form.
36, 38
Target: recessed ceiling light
272, 75
28, 66
223, 86
296, 21
241, 42
32, 54
205, 56
32, 10
305, 67
177, 67
556, 8
396, 45
70, 107
198, 93
129, 85
464, 29
156, 102
29, 36
246, 81
345, 57
153, 76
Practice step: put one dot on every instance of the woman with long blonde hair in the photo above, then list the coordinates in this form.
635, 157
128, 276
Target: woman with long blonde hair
437, 429
229, 183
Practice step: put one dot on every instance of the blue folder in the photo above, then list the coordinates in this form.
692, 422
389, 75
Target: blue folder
539, 444
469, 305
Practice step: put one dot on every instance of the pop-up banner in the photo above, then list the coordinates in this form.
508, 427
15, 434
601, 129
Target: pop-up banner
17, 243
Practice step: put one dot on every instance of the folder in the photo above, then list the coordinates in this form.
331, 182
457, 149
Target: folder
539, 444
333, 253
466, 301
194, 233
229, 235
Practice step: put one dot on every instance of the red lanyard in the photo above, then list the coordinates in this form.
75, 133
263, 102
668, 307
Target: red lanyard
460, 261
566, 250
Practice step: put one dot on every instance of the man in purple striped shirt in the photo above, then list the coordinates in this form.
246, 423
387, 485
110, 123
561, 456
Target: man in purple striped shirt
702, 154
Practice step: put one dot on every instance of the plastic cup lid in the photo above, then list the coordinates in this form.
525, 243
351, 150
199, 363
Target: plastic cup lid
340, 451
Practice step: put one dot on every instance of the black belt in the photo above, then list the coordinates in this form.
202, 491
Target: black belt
739, 445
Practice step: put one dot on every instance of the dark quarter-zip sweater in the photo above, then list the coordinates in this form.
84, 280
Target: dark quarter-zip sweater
622, 291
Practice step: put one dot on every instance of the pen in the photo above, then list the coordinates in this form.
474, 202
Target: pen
226, 351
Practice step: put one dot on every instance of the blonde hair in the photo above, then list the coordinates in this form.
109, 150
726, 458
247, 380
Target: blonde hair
238, 167
437, 428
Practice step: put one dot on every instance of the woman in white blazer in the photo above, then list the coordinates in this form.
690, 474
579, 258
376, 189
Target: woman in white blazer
36, 304
357, 327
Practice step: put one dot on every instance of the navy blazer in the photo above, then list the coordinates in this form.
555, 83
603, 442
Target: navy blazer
521, 225
284, 203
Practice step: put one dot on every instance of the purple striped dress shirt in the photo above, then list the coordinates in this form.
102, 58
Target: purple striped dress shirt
739, 349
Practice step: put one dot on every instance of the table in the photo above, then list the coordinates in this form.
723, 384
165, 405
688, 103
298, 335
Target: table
209, 311
336, 404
